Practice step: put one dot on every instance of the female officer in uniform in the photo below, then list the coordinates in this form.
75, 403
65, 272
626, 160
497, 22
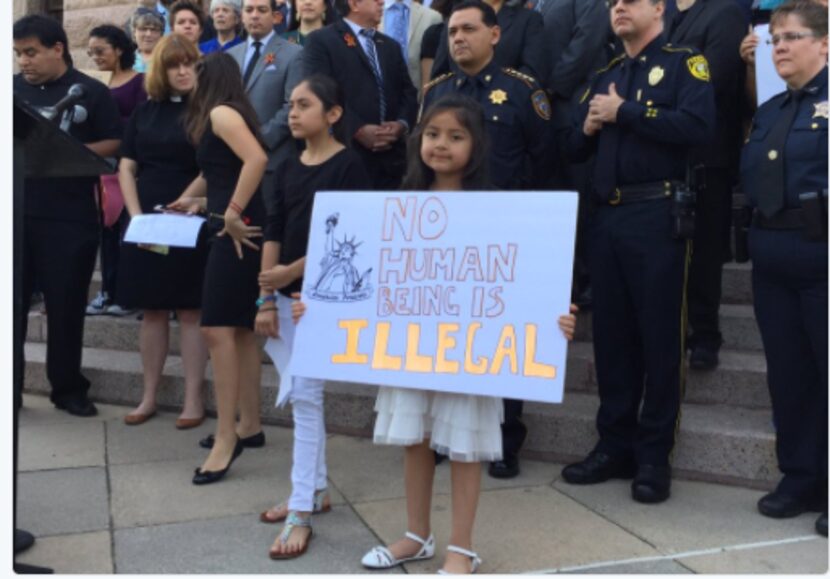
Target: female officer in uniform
784, 173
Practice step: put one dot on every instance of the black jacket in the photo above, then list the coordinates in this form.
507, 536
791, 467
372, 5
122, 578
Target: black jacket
521, 47
716, 28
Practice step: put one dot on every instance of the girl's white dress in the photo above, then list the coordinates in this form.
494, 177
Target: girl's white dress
464, 427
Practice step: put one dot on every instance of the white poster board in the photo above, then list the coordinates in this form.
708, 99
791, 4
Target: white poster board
458, 292
767, 82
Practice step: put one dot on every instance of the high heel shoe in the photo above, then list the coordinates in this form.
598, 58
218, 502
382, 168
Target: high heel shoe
206, 477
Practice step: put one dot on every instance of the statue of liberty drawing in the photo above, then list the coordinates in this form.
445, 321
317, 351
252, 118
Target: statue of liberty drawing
339, 279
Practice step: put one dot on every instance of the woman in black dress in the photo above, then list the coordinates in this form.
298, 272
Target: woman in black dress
157, 164
232, 162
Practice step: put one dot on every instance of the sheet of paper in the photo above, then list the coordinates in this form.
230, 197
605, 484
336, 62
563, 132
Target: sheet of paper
280, 354
767, 81
164, 229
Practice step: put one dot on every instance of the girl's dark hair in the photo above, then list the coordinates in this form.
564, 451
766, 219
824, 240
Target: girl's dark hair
328, 16
117, 38
470, 115
218, 82
331, 95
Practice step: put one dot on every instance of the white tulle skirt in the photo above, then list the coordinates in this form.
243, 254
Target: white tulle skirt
466, 428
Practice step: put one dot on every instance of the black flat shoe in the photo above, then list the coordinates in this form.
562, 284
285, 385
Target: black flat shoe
23, 540
703, 358
821, 524
254, 441
779, 505
206, 477
508, 467
652, 484
599, 467
77, 407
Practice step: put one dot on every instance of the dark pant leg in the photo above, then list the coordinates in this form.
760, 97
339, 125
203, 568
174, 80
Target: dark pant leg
513, 430
713, 214
64, 257
617, 348
655, 266
790, 299
110, 251
27, 287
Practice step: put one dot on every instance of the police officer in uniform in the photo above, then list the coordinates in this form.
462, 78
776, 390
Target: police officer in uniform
784, 175
640, 115
61, 226
517, 112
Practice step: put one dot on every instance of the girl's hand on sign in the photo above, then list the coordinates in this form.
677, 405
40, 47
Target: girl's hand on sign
297, 307
567, 323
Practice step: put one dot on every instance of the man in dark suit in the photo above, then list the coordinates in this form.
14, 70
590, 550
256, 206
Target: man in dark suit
521, 45
715, 28
380, 99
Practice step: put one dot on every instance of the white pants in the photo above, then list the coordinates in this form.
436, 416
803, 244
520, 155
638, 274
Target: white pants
308, 469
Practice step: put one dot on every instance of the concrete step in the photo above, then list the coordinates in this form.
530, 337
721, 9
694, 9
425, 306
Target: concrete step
740, 379
715, 443
737, 325
736, 286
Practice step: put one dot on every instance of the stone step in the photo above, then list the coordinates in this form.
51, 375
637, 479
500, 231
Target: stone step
737, 325
715, 443
739, 380
736, 286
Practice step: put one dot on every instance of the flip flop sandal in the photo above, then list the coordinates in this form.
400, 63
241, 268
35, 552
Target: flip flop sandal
317, 508
291, 521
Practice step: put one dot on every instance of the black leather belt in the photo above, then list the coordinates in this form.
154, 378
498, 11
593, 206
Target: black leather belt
642, 192
788, 219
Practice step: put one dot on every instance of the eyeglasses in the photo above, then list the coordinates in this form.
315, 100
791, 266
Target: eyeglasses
612, 3
93, 52
788, 37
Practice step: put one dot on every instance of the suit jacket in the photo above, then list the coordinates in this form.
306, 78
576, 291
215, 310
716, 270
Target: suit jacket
335, 51
269, 89
521, 47
420, 18
575, 37
716, 28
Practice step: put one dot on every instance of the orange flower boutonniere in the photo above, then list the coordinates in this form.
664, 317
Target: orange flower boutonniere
269, 58
351, 41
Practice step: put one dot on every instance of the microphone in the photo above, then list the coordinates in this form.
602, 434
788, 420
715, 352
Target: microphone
75, 93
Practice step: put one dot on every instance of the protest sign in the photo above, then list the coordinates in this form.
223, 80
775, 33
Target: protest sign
457, 292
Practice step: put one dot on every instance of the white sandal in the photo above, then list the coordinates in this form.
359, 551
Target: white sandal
475, 560
382, 558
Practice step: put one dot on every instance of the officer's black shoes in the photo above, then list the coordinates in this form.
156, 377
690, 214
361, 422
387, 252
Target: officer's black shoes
508, 467
703, 358
599, 467
780, 505
821, 524
77, 406
652, 484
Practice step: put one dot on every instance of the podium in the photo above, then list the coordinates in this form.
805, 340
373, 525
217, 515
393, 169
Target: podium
40, 150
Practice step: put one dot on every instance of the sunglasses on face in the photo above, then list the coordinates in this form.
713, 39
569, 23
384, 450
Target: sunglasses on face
613, 3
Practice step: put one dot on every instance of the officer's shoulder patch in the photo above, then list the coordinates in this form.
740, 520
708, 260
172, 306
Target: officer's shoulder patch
438, 80
699, 67
670, 48
541, 104
612, 63
525, 78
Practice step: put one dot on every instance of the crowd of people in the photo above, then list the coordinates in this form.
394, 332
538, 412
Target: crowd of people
644, 107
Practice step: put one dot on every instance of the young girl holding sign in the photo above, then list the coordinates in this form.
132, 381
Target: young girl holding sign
315, 112
447, 152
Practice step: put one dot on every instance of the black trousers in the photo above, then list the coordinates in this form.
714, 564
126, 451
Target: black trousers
711, 250
789, 282
110, 254
62, 256
513, 430
386, 168
638, 274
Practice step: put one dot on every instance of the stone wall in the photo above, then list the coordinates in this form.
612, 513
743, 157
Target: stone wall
81, 16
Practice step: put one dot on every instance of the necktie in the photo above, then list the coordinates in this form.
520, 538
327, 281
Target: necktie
372, 55
398, 28
249, 70
605, 180
771, 173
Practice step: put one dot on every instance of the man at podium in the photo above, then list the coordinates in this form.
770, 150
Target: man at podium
60, 226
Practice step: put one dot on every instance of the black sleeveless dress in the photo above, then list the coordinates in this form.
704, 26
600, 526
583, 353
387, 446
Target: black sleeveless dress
231, 288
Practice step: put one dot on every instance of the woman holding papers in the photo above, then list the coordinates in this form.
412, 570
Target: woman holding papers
232, 162
315, 113
157, 164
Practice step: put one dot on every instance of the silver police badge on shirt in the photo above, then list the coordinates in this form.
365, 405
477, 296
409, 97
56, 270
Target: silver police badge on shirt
821, 110
655, 75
